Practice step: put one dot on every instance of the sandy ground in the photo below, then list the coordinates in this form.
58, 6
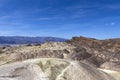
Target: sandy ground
114, 74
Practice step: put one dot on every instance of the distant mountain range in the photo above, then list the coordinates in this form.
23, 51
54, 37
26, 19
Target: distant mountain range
27, 40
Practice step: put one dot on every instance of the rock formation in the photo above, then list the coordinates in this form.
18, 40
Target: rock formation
102, 53
99, 53
51, 69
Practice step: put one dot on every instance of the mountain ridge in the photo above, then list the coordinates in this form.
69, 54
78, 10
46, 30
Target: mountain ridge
28, 40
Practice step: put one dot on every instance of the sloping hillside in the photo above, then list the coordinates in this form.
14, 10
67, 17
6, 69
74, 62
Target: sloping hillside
51, 69
102, 53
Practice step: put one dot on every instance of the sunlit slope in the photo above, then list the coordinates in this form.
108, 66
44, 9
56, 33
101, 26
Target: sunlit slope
51, 69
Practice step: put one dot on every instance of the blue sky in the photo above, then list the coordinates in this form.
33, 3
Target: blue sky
60, 18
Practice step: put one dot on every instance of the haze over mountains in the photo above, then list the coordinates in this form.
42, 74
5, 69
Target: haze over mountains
27, 40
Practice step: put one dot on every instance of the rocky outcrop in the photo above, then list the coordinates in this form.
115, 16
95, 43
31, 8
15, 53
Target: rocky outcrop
111, 65
48, 50
98, 52
51, 69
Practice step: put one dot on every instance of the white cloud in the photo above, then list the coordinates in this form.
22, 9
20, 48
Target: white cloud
112, 23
